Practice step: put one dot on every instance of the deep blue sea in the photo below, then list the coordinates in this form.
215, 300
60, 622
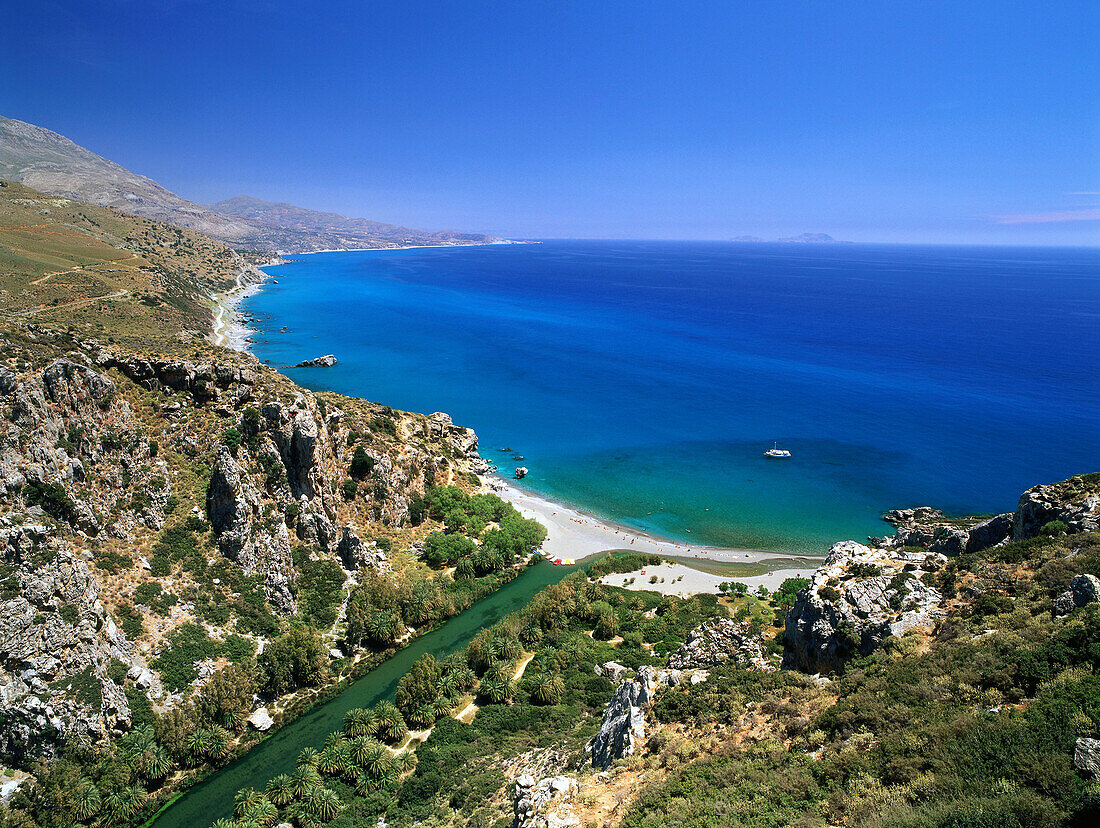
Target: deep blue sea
644, 380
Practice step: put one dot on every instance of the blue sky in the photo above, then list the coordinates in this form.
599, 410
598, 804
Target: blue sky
873, 121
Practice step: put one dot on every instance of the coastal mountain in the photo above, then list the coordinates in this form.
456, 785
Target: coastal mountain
51, 163
285, 225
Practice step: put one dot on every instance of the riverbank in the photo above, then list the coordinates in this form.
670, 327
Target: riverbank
574, 535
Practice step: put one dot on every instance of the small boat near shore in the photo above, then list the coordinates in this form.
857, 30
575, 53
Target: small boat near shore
775, 451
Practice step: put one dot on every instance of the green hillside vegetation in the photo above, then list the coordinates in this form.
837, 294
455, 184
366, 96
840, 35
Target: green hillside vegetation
971, 725
104, 273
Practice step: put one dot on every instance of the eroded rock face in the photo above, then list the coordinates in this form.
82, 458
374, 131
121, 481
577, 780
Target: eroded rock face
841, 614
233, 505
463, 439
57, 645
717, 641
1084, 589
355, 554
1074, 502
928, 527
624, 719
545, 803
1086, 756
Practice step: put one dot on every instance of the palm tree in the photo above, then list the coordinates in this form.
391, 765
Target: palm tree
322, 803
332, 761
245, 800
497, 687
86, 800
373, 759
464, 677
447, 686
391, 724
549, 689
200, 743
388, 770
510, 648
225, 823
442, 707
264, 813
304, 779
359, 722
363, 747
335, 740
406, 759
219, 747
280, 790
153, 763
123, 803
308, 757
423, 716
365, 784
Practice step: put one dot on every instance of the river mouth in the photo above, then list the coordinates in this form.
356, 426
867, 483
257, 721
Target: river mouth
212, 799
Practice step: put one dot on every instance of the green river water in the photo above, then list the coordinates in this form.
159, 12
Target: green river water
213, 798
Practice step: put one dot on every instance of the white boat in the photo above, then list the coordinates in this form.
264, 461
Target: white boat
775, 451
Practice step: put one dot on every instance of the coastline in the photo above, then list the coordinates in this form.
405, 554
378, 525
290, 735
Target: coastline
405, 247
572, 534
228, 329
575, 535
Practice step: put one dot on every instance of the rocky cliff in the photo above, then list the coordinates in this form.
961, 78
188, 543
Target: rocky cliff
112, 464
862, 595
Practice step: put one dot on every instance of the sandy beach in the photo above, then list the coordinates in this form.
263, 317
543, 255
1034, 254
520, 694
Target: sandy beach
572, 534
229, 331
677, 579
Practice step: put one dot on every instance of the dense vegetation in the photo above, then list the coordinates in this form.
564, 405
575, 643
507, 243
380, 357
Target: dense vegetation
121, 784
558, 700
974, 727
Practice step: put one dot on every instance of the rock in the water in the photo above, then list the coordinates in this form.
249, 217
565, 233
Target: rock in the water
261, 719
1084, 589
1086, 756
842, 614
623, 719
326, 361
717, 641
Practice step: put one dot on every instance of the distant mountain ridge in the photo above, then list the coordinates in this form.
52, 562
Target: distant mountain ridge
288, 223
52, 163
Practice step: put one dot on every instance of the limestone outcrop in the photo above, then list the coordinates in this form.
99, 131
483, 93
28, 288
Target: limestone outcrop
354, 554
717, 641
62, 658
1086, 756
1083, 589
1074, 502
930, 528
545, 803
624, 719
857, 599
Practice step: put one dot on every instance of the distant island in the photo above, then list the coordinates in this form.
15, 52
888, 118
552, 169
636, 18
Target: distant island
802, 238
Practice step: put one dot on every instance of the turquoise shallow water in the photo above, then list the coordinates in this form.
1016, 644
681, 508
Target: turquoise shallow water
644, 380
